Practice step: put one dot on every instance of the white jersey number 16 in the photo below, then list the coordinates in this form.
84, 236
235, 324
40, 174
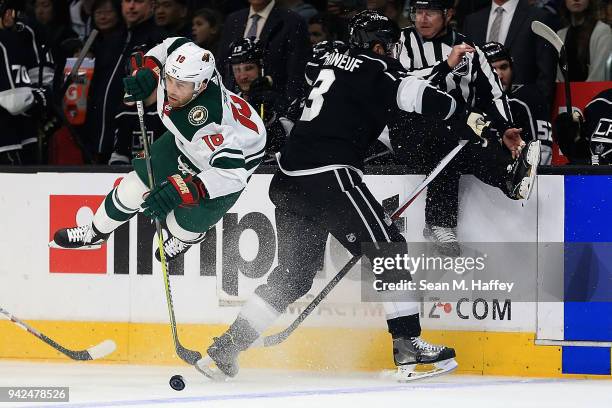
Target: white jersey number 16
315, 100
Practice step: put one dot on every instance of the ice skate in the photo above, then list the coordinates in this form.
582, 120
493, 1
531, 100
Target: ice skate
221, 361
173, 247
83, 237
444, 239
413, 352
522, 173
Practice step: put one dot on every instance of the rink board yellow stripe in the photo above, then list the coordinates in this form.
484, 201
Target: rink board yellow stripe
494, 353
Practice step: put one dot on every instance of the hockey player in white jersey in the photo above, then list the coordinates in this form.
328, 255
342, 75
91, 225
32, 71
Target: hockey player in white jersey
214, 143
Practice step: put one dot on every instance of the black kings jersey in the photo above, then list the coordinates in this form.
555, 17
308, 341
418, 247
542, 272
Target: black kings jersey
350, 102
531, 113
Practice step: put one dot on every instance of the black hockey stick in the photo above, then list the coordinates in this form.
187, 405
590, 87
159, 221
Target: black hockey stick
549, 35
93, 353
274, 339
188, 356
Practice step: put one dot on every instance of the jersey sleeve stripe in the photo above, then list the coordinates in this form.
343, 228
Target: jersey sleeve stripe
229, 163
253, 163
259, 153
225, 150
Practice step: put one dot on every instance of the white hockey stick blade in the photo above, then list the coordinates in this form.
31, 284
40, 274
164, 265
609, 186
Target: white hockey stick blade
102, 350
548, 34
407, 373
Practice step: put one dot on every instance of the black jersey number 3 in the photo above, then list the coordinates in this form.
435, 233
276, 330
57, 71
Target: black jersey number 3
315, 100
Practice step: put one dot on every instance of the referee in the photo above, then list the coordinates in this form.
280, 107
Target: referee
434, 51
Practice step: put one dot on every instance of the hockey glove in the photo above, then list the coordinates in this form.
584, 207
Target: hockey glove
173, 193
573, 144
143, 79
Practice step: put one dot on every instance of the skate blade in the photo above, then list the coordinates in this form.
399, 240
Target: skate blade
408, 373
52, 244
533, 159
207, 367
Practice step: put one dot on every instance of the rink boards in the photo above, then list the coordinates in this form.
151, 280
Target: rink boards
83, 297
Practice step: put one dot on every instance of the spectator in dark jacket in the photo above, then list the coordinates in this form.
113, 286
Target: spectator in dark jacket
112, 49
509, 22
284, 39
172, 17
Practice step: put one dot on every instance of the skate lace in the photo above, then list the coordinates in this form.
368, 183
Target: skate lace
174, 246
444, 234
78, 234
423, 345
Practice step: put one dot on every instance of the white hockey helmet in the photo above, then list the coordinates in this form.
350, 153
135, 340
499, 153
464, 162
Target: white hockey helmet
192, 64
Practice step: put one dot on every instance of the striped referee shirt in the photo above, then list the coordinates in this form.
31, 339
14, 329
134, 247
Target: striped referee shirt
473, 78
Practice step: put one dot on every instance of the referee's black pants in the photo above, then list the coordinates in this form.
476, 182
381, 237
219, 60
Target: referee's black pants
421, 143
310, 207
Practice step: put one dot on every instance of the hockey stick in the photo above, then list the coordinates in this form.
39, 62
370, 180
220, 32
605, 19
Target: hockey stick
69, 80
93, 353
549, 35
274, 339
188, 356
75, 68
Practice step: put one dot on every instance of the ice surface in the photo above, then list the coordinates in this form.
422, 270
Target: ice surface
115, 385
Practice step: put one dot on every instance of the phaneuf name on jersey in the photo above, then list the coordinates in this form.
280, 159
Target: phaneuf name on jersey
342, 61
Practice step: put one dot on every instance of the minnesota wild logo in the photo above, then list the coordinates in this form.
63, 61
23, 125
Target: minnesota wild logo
197, 115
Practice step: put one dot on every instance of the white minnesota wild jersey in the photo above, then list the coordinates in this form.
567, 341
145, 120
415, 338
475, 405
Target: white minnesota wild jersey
219, 132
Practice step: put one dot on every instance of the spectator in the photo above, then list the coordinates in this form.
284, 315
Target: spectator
54, 28
107, 17
171, 17
206, 29
80, 15
588, 41
225, 7
284, 40
111, 50
319, 29
304, 10
509, 22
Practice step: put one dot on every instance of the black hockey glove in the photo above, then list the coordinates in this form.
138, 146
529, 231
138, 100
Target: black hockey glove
42, 97
570, 139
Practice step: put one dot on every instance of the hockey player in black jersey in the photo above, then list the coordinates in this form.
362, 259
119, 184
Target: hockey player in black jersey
319, 190
278, 113
528, 106
434, 51
587, 139
26, 77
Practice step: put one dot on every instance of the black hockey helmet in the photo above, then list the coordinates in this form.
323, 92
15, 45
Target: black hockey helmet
323, 48
246, 50
495, 51
370, 27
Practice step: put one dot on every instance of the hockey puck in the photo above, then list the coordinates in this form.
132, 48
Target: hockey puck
177, 383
